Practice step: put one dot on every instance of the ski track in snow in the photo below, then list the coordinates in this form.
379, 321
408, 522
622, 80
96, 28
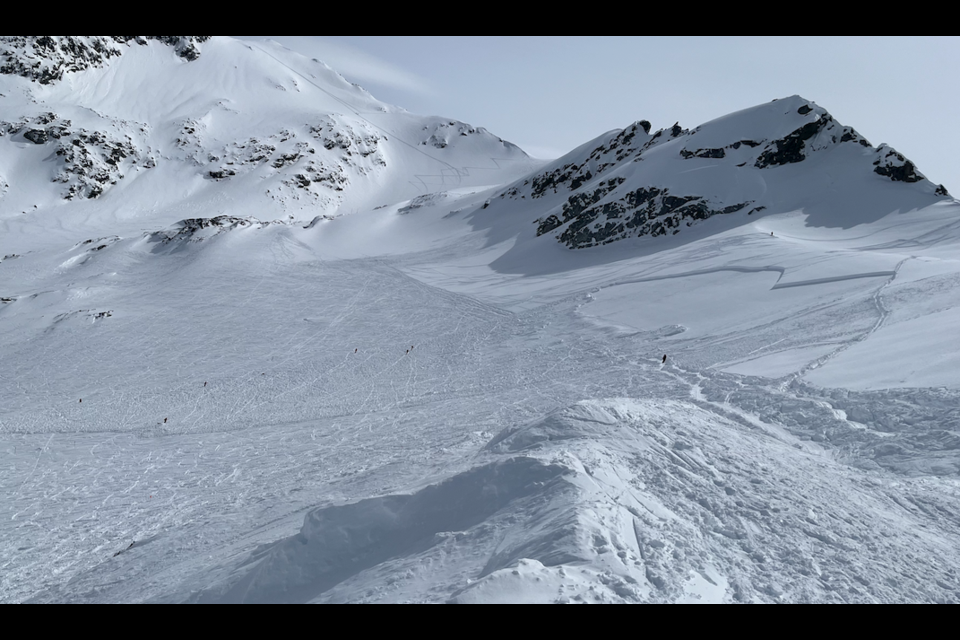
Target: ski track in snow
301, 421
426, 402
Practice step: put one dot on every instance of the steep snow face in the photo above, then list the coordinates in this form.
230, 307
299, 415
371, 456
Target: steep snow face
768, 159
146, 127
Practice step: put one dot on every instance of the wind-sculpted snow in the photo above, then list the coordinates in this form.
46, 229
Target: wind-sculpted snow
633, 184
616, 501
46, 59
231, 385
339, 543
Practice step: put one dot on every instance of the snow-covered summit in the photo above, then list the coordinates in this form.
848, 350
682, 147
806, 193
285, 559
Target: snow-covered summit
783, 156
145, 124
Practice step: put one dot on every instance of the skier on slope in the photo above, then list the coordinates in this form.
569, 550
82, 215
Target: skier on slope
664, 359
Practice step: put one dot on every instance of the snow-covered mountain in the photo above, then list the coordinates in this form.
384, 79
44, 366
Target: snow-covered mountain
264, 338
152, 122
776, 158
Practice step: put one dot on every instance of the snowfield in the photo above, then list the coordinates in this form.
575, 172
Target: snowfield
240, 389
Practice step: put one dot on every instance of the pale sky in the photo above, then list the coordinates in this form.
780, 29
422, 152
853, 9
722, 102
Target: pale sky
550, 94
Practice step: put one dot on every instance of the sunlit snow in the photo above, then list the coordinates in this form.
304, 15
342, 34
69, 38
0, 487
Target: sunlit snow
382, 386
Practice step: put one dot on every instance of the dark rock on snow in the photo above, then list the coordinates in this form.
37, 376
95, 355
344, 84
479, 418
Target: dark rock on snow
791, 149
45, 59
896, 167
37, 136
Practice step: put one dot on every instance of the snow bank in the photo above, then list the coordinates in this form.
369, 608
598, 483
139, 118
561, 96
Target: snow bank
614, 501
339, 543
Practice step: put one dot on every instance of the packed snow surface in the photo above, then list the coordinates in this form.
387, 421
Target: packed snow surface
385, 385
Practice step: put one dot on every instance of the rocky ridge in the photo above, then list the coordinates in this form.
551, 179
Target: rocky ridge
634, 183
45, 59
90, 161
201, 229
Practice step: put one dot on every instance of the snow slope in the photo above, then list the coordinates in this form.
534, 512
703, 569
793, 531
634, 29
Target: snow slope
202, 400
149, 138
788, 155
619, 501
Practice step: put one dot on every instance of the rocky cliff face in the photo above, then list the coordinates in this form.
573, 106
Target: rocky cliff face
45, 59
634, 183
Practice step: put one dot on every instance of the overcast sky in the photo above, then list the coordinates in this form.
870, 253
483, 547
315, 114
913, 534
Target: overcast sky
550, 94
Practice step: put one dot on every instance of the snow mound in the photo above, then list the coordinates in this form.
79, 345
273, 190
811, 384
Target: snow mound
200, 229
339, 543
583, 421
613, 501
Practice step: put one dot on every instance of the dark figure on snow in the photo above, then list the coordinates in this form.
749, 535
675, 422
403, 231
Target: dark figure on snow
165, 420
664, 359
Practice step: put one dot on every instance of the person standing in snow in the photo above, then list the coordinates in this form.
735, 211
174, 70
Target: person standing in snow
664, 359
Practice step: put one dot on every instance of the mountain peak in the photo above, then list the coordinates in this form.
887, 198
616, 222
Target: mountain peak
786, 155
45, 59
255, 123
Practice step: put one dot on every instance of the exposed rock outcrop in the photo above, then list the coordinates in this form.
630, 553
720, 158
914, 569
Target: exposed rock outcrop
45, 59
442, 134
893, 165
200, 229
634, 184
91, 161
645, 212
